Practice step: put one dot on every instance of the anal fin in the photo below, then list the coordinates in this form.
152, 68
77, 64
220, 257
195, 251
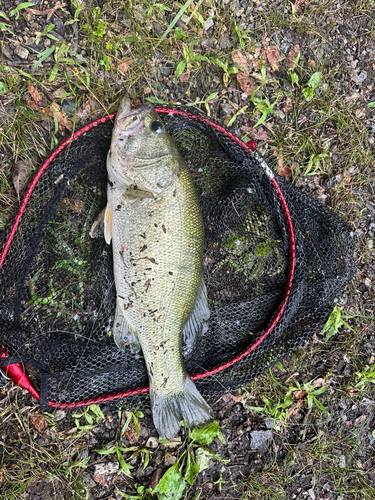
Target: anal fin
196, 325
124, 334
103, 225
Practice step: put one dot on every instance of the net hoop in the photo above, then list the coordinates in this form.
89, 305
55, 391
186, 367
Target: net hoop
22, 378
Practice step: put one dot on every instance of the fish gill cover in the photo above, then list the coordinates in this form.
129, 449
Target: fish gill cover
274, 260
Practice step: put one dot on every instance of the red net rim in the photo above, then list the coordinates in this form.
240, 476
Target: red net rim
25, 381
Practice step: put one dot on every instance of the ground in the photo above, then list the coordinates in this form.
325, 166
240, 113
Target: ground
299, 79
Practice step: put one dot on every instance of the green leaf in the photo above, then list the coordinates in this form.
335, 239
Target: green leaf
155, 100
315, 79
3, 88
79, 463
124, 466
211, 96
205, 435
192, 469
320, 406
203, 458
4, 26
44, 56
172, 485
53, 74
294, 77
16, 11
180, 68
308, 93
371, 104
333, 324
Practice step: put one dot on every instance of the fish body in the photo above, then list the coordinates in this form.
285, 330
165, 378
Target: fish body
154, 221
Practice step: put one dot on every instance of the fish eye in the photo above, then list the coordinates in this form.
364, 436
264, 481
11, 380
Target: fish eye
156, 126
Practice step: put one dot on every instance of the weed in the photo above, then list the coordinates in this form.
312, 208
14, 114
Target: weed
366, 376
16, 12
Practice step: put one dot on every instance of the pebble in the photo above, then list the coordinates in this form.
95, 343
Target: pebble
21, 52
169, 459
208, 23
59, 415
106, 468
259, 438
152, 442
6, 52
166, 71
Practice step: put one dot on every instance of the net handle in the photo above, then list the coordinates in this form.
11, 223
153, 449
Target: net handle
249, 148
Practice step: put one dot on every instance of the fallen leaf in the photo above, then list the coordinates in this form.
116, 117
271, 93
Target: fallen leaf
320, 382
273, 56
62, 119
184, 77
230, 398
124, 64
292, 54
255, 133
284, 171
246, 84
256, 59
35, 100
39, 423
241, 61
156, 476
131, 434
20, 176
288, 105
299, 394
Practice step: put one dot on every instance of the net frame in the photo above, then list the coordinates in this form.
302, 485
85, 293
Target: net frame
18, 373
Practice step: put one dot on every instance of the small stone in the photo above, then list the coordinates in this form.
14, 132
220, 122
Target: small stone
166, 71
21, 52
6, 52
59, 415
59, 25
311, 494
208, 23
169, 459
152, 442
362, 76
270, 423
106, 468
367, 282
259, 438
342, 461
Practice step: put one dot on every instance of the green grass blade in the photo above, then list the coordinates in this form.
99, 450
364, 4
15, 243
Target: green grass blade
180, 13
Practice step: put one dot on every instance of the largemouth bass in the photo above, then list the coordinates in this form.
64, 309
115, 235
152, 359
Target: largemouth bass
154, 221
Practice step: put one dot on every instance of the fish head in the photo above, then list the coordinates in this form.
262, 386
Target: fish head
142, 152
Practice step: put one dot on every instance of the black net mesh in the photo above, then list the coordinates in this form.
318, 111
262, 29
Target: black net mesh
57, 288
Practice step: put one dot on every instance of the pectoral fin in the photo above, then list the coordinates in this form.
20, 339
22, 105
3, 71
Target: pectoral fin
196, 325
124, 333
103, 225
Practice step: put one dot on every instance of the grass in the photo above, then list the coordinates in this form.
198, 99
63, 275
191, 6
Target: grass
28, 461
161, 52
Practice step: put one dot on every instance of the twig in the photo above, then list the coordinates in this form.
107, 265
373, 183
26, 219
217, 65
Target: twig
50, 12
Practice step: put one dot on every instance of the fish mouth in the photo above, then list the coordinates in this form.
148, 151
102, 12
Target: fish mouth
130, 122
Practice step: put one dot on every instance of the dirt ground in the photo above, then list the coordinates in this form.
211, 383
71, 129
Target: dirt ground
305, 430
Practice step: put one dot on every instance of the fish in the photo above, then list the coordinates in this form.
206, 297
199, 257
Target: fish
154, 222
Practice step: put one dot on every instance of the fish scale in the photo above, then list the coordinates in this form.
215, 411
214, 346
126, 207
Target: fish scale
162, 269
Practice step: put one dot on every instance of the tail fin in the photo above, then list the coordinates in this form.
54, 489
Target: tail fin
187, 405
